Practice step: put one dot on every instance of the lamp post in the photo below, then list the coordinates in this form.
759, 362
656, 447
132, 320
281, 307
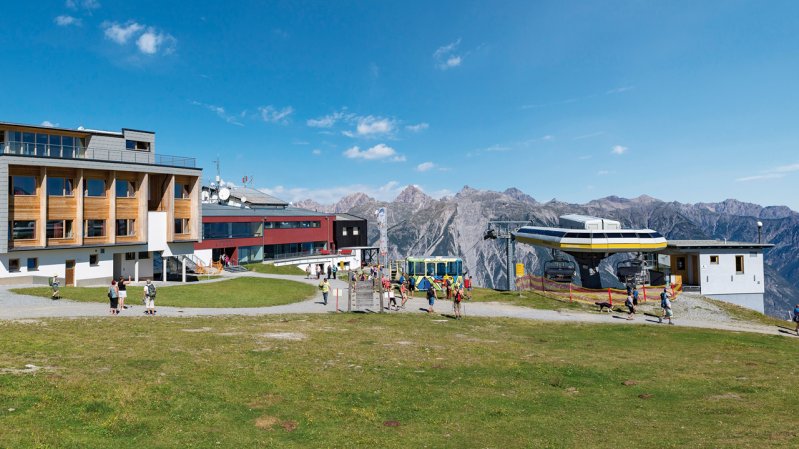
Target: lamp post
759, 232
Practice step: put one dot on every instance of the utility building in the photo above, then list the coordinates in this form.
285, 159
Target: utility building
727, 271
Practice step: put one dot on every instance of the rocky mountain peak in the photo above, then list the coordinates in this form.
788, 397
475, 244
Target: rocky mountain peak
353, 200
413, 195
518, 195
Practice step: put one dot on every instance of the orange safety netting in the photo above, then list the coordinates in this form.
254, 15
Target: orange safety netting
571, 292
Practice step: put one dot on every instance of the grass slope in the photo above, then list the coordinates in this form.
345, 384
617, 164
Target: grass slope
271, 269
238, 292
528, 299
391, 381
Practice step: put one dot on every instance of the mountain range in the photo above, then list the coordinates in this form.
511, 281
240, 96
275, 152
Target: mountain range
455, 225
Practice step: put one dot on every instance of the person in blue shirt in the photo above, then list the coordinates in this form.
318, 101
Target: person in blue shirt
796, 317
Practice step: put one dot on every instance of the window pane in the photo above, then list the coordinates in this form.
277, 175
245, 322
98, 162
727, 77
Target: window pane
55, 229
23, 230
130, 145
55, 186
95, 187
124, 188
24, 185
441, 269
95, 228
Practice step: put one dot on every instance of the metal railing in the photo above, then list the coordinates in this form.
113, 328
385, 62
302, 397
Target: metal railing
70, 152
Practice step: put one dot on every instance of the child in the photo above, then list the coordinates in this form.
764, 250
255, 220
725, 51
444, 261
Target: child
403, 294
392, 299
630, 307
456, 303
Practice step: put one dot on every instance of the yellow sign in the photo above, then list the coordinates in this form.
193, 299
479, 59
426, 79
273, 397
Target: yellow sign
519, 270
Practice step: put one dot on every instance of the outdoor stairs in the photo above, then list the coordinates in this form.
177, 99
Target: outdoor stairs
235, 269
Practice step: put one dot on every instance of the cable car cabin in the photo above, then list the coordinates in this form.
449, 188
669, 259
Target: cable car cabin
560, 270
434, 270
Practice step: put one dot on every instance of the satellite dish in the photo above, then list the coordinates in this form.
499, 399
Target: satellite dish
224, 194
243, 199
213, 185
206, 195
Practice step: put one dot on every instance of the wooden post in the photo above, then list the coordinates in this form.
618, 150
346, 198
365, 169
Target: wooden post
350, 286
570, 292
380, 290
643, 287
543, 288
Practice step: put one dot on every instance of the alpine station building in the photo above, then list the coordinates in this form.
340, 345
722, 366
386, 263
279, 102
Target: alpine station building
250, 226
91, 205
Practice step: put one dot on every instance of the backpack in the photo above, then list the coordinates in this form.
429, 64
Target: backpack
151, 291
431, 292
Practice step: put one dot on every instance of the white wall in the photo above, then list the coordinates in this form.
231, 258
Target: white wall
156, 231
752, 301
204, 255
721, 278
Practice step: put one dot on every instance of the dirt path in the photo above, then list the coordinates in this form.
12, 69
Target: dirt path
690, 311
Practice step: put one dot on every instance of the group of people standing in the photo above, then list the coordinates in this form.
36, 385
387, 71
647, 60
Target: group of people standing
665, 304
331, 271
118, 293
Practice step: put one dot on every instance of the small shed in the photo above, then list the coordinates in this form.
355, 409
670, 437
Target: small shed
724, 270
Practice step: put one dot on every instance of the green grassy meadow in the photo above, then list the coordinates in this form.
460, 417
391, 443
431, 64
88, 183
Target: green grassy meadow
271, 269
237, 292
391, 381
528, 299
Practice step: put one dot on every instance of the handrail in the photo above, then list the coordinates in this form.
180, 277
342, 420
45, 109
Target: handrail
72, 152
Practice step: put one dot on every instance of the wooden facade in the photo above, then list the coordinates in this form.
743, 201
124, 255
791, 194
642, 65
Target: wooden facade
148, 192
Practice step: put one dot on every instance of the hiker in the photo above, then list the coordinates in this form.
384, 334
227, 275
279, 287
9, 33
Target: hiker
329, 271
325, 287
54, 284
456, 303
335, 272
402, 278
629, 290
630, 307
431, 298
149, 298
665, 304
404, 294
113, 297
308, 272
122, 286
796, 317
412, 285
448, 284
635, 296
467, 284
318, 272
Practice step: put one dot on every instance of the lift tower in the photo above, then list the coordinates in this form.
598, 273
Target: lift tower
503, 230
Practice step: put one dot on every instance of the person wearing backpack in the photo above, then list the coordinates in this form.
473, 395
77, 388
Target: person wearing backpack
431, 298
456, 303
149, 298
665, 304
325, 287
113, 297
796, 317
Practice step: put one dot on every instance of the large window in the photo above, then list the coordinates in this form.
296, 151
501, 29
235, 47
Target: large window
41, 144
292, 224
125, 188
181, 190
59, 229
59, 186
181, 226
94, 228
232, 230
22, 230
126, 228
23, 185
136, 145
95, 187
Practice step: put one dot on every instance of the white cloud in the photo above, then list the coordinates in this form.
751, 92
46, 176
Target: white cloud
82, 4
425, 166
418, 127
761, 177
316, 152
151, 41
378, 152
64, 21
49, 124
602, 173
619, 90
329, 120
371, 126
787, 168
271, 114
121, 33
220, 112
331, 194
618, 150
445, 56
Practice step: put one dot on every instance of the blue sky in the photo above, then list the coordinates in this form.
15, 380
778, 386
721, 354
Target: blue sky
686, 101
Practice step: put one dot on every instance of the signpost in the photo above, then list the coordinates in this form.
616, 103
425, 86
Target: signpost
382, 226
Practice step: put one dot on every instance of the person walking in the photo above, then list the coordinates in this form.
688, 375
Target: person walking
635, 296
403, 294
412, 285
325, 287
54, 284
122, 286
456, 303
149, 298
431, 298
796, 317
308, 272
329, 271
630, 307
448, 284
318, 272
113, 297
665, 304
335, 272
392, 299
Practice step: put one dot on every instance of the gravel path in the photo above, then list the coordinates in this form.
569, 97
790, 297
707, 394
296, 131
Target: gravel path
690, 310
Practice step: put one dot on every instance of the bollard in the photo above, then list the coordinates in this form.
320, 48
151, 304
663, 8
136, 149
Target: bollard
337, 300
672, 290
644, 288
570, 292
543, 289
